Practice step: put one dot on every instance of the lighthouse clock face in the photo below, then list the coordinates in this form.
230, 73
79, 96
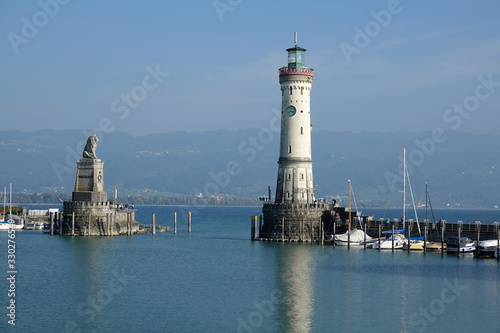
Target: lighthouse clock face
290, 111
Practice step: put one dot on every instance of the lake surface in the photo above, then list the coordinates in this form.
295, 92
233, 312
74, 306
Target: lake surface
217, 280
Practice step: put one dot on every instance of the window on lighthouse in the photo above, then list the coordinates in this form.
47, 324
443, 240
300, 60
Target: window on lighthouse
290, 90
301, 130
289, 149
302, 90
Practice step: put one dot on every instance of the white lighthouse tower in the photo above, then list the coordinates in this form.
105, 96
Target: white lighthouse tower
295, 177
294, 215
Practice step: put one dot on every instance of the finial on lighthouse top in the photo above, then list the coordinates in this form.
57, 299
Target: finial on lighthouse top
295, 38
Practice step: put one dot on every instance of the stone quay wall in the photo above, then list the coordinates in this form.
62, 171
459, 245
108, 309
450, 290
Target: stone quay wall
96, 219
302, 222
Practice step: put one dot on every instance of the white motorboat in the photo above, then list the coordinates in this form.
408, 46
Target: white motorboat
488, 247
464, 245
10, 224
386, 243
4, 225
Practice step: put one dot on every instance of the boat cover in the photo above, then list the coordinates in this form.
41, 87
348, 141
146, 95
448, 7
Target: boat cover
357, 236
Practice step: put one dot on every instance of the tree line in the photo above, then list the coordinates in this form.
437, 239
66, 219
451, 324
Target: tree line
51, 198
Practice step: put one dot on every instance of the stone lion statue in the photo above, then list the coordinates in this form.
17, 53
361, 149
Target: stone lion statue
90, 147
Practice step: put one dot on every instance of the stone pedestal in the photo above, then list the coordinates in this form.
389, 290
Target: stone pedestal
89, 185
92, 213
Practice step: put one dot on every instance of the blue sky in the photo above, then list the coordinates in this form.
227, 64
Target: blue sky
406, 73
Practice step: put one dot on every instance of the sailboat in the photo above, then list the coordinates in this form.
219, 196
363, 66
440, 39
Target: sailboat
416, 243
399, 241
3, 223
353, 237
10, 223
431, 246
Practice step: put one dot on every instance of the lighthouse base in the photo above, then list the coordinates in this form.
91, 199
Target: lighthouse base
301, 222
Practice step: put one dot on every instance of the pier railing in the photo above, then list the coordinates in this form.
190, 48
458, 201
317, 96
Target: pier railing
449, 227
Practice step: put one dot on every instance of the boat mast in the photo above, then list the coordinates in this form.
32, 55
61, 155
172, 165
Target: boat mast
413, 201
4, 200
426, 200
10, 203
349, 207
404, 186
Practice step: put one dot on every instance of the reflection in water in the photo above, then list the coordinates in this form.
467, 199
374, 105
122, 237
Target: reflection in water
295, 270
87, 256
404, 295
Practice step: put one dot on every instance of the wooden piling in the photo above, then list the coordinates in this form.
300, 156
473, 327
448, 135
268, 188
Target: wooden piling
334, 225
283, 228
289, 230
425, 238
364, 236
442, 238
322, 233
393, 238
311, 231
128, 225
459, 232
409, 235
260, 225
301, 230
379, 235
154, 224
189, 222
51, 224
60, 223
175, 223
88, 227
349, 228
478, 227
106, 228
72, 223
253, 227
498, 242
130, 214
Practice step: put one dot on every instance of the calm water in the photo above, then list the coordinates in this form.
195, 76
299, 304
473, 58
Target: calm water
217, 280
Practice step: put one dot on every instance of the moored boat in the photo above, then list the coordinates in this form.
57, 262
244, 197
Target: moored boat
488, 247
435, 246
10, 221
355, 237
418, 245
415, 245
386, 243
464, 245
33, 225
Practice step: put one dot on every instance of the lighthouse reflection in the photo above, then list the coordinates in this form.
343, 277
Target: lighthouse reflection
295, 282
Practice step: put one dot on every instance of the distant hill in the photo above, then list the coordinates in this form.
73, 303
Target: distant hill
462, 169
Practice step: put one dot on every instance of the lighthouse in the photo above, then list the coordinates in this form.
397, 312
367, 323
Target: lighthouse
295, 177
295, 214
